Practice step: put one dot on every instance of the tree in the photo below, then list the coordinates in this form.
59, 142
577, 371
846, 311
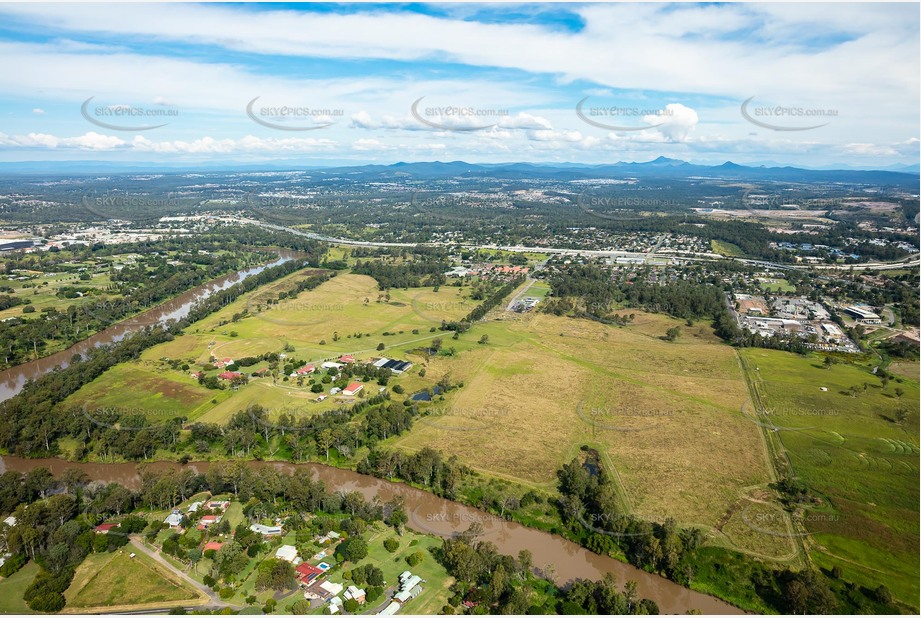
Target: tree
325, 441
352, 549
484, 339
391, 544
673, 333
380, 346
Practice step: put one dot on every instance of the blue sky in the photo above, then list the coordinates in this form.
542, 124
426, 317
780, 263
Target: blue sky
825, 84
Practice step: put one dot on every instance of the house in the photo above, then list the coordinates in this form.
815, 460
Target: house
229, 375
334, 390
266, 530
220, 505
288, 553
215, 545
353, 388
174, 519
193, 508
332, 535
323, 590
223, 362
354, 592
306, 369
104, 528
306, 573
10, 521
347, 359
208, 520
409, 587
335, 605
390, 610
331, 365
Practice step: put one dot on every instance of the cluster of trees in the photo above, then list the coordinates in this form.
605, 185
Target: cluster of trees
419, 267
480, 311
29, 428
427, 468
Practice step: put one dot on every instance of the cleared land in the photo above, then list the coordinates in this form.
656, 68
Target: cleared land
115, 579
665, 415
852, 451
13, 587
334, 313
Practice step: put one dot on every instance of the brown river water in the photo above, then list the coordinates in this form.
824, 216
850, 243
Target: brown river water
431, 514
13, 379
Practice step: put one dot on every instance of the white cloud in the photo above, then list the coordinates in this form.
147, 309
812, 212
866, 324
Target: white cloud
38, 111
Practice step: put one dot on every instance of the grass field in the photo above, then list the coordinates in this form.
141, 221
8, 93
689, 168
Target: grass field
116, 579
13, 587
666, 416
333, 313
726, 248
854, 454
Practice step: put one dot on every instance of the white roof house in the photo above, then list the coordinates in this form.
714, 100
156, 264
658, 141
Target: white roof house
265, 530
354, 592
10, 521
331, 587
174, 519
194, 507
390, 610
331, 365
288, 553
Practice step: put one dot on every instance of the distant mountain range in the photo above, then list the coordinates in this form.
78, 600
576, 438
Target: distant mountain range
663, 167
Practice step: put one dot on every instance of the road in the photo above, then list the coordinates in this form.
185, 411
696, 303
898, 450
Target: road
906, 262
215, 600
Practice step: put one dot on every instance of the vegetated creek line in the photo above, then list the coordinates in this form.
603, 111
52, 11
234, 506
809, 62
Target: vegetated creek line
13, 379
433, 515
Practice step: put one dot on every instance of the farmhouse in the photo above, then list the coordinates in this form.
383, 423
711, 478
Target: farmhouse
229, 375
353, 388
223, 362
266, 530
207, 520
354, 592
288, 553
306, 369
347, 359
306, 573
104, 528
395, 366
174, 519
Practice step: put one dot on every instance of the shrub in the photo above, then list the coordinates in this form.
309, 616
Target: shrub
12, 564
391, 545
415, 558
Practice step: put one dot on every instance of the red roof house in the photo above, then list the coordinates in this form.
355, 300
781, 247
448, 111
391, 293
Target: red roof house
353, 388
305, 370
215, 545
348, 358
104, 528
229, 375
307, 572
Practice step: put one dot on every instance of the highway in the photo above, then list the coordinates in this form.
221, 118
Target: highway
906, 262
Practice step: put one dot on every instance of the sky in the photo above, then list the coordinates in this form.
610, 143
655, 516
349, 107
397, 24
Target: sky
814, 85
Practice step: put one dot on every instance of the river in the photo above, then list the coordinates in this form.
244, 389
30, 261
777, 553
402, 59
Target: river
431, 514
13, 379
